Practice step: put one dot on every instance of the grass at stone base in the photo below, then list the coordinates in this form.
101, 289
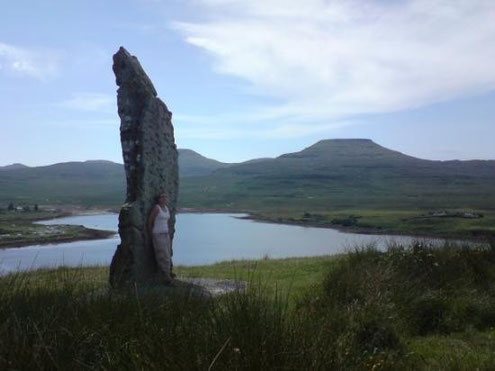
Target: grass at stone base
409, 308
291, 277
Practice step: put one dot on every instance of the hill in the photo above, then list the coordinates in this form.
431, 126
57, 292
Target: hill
13, 167
344, 173
324, 157
347, 157
88, 183
193, 164
83, 183
329, 175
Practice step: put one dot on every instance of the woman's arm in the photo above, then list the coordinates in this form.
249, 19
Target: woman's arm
151, 219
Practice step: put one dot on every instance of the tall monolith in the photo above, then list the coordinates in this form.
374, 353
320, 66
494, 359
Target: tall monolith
150, 160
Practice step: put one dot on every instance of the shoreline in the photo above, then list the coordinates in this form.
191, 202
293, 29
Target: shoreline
251, 215
67, 233
365, 230
190, 210
94, 234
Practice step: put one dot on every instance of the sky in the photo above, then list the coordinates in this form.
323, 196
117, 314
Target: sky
251, 78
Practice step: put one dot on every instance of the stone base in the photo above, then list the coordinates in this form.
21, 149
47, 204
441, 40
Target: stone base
216, 287
197, 287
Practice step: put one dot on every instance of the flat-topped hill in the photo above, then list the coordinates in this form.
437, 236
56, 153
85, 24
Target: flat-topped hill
344, 155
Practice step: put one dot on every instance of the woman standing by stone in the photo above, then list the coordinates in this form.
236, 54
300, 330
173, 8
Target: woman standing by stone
158, 229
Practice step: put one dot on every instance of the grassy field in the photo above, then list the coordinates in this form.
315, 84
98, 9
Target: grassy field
17, 228
324, 194
408, 308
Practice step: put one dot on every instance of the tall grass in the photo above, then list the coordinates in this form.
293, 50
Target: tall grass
373, 303
374, 310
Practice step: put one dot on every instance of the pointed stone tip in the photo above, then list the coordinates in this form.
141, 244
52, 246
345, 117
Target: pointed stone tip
128, 69
122, 52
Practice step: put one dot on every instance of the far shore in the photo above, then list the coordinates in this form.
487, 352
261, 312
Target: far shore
25, 223
90, 234
362, 230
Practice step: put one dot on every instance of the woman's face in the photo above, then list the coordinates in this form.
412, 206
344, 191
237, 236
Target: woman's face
162, 199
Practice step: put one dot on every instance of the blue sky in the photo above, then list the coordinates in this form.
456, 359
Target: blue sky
247, 79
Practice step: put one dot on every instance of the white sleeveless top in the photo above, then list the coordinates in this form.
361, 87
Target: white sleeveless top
161, 221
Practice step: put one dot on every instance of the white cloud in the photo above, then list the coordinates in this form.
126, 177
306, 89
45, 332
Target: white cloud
91, 102
41, 65
333, 58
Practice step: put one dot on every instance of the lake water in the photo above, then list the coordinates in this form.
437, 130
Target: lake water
200, 239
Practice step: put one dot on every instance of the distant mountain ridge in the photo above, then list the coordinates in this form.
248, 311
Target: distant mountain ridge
330, 173
95, 182
191, 163
344, 173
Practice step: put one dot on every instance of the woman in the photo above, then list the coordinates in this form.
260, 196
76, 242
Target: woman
158, 229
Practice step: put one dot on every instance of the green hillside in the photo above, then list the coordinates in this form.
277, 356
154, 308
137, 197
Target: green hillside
77, 183
337, 174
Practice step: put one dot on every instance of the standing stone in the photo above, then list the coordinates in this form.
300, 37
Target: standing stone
150, 160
